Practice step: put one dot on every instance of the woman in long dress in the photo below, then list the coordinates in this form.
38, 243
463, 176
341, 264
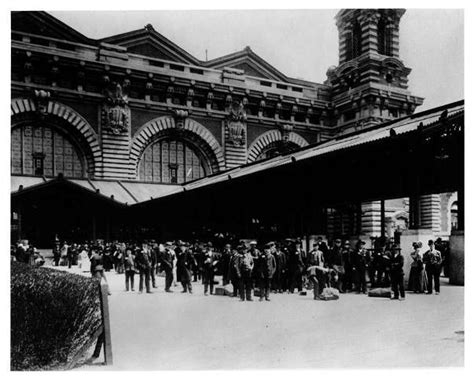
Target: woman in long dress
417, 281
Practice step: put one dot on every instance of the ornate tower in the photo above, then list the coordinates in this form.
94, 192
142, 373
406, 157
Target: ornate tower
370, 83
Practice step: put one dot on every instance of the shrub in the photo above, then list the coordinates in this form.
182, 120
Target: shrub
54, 314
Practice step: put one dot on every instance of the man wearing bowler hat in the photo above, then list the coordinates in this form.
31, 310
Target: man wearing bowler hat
433, 260
167, 265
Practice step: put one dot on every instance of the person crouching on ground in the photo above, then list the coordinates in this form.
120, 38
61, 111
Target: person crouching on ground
396, 273
317, 273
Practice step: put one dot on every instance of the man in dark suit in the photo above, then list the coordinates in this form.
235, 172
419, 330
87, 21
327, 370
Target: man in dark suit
167, 259
396, 273
295, 266
209, 268
225, 261
280, 271
360, 262
234, 270
185, 264
266, 269
323, 246
143, 262
433, 260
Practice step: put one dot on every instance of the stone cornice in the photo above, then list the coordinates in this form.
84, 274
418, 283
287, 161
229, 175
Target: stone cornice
134, 103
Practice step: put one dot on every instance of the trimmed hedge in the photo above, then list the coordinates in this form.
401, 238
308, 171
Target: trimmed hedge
53, 315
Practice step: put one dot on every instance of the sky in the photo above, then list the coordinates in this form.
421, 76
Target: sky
299, 43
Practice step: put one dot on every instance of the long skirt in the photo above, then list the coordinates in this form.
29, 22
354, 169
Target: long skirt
417, 280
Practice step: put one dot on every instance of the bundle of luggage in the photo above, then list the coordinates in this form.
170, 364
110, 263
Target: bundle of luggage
329, 294
380, 292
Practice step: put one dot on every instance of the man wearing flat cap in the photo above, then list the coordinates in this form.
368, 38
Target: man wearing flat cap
266, 269
396, 273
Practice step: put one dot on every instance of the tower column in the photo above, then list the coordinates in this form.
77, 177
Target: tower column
430, 212
371, 218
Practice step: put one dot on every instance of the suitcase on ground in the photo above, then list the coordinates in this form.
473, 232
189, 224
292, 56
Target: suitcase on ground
219, 291
380, 292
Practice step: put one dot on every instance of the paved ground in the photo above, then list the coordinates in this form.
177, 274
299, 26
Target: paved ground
183, 331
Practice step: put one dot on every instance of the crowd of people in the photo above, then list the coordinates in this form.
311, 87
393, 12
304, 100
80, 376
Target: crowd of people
253, 269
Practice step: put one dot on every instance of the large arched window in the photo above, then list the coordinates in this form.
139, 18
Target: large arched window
172, 160
43, 150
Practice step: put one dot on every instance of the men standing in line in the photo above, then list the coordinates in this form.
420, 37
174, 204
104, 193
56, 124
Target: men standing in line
323, 246
246, 267
225, 263
266, 269
56, 251
209, 266
197, 253
255, 253
280, 271
334, 261
359, 266
143, 261
316, 256
129, 266
167, 260
184, 266
234, 270
433, 260
153, 249
396, 273
295, 266
347, 263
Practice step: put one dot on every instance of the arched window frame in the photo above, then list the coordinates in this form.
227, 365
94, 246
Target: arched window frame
54, 128
205, 164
